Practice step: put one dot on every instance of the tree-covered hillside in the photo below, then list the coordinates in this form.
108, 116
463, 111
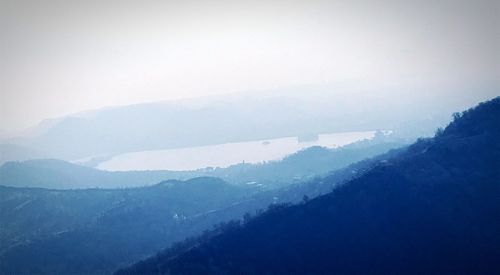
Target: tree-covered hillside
96, 230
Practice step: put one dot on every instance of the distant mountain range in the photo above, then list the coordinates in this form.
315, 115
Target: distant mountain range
230, 118
433, 208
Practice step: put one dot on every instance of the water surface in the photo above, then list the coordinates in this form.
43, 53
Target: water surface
223, 155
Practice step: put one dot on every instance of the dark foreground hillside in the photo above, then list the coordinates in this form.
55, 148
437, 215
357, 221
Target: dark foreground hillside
434, 208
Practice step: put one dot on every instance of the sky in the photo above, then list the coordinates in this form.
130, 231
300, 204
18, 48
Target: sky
61, 57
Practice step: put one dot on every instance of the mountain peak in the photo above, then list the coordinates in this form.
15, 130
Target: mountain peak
484, 118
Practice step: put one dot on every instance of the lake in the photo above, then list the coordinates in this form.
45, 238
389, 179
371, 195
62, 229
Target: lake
224, 155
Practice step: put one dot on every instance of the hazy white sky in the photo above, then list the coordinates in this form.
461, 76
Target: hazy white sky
60, 57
